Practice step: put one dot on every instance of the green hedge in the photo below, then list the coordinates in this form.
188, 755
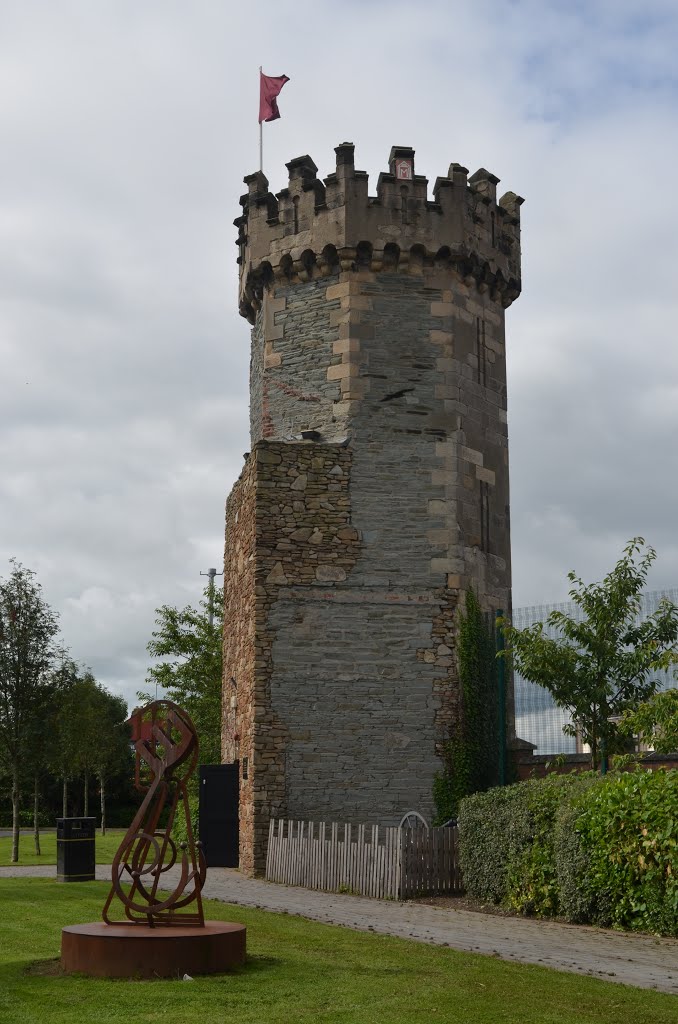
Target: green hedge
506, 841
628, 831
590, 849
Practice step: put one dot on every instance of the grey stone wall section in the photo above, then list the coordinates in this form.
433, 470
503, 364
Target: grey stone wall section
378, 324
257, 381
359, 709
299, 395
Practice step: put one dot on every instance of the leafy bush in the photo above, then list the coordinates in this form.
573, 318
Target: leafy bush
485, 823
506, 842
592, 849
628, 829
577, 901
45, 820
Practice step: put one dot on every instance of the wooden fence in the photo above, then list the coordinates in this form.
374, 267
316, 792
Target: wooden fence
372, 860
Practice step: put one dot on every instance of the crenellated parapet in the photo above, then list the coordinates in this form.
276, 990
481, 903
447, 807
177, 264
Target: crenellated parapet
318, 227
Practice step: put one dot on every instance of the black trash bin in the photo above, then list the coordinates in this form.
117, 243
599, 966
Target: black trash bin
75, 849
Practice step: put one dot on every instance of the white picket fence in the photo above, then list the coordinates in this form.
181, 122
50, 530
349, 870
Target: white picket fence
369, 860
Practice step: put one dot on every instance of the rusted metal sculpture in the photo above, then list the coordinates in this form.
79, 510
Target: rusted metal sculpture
166, 746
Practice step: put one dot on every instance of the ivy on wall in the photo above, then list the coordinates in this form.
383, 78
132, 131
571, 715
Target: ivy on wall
471, 755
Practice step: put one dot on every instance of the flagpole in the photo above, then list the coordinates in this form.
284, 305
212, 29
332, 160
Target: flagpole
261, 130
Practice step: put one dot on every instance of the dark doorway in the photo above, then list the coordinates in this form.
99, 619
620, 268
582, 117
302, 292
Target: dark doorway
219, 814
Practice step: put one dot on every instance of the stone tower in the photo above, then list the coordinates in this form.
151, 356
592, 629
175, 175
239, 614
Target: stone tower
377, 486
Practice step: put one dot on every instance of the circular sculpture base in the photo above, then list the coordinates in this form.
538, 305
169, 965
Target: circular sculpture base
137, 951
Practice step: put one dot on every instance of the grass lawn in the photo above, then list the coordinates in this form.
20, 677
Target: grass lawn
105, 848
297, 971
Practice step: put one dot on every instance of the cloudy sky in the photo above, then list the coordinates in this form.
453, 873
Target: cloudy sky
126, 127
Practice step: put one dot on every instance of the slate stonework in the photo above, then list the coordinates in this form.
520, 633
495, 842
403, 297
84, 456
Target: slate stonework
376, 492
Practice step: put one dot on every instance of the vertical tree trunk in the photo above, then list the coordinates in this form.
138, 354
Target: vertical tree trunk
64, 799
594, 748
16, 799
85, 802
36, 809
102, 780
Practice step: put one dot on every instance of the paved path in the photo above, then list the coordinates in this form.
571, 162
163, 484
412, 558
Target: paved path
640, 960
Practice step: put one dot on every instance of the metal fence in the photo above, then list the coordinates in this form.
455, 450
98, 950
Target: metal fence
538, 719
368, 860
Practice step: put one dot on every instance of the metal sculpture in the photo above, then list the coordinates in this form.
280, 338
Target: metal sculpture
166, 745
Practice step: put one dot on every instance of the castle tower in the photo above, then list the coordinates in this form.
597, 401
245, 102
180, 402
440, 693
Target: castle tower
377, 487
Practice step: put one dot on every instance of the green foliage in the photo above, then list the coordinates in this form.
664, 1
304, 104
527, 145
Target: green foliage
506, 844
28, 630
591, 849
485, 830
601, 667
577, 901
191, 676
191, 673
655, 722
471, 756
26, 821
628, 830
90, 735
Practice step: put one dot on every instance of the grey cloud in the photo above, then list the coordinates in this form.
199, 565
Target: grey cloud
126, 131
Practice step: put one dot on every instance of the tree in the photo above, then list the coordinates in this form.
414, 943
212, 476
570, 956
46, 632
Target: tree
192, 639
63, 738
603, 666
90, 735
40, 731
28, 628
112, 752
655, 722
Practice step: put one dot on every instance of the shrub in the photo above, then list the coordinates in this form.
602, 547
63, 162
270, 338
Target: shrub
628, 830
506, 842
599, 850
45, 820
485, 821
576, 899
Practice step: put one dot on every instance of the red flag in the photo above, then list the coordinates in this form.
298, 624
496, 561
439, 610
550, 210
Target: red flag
269, 88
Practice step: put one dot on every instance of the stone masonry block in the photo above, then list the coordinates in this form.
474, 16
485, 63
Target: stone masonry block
442, 308
338, 291
471, 455
356, 302
487, 475
342, 370
271, 358
441, 337
447, 565
345, 345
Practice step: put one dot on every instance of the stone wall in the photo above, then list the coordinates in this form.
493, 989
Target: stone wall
362, 552
293, 342
240, 643
408, 366
287, 527
376, 492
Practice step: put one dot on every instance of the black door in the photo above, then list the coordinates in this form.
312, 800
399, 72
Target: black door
219, 814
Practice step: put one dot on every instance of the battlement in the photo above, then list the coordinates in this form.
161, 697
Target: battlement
317, 227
